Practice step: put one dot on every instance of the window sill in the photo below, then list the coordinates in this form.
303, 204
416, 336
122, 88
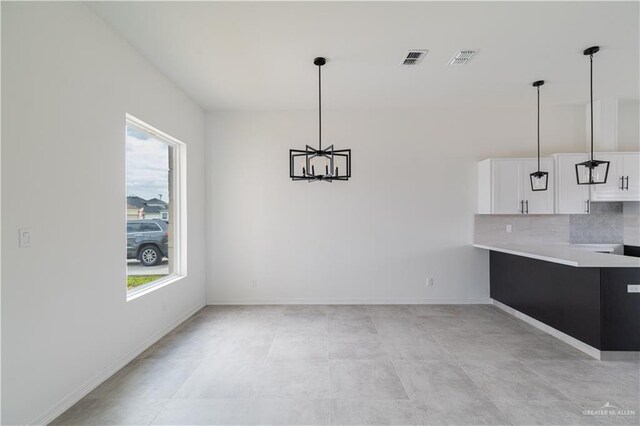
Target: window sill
148, 288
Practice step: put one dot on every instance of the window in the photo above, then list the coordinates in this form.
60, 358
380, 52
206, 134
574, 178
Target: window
155, 200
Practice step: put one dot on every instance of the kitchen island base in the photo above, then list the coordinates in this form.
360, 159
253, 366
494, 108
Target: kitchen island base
589, 308
589, 350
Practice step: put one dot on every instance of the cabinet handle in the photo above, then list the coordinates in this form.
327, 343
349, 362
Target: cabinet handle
621, 182
527, 204
587, 207
521, 206
627, 186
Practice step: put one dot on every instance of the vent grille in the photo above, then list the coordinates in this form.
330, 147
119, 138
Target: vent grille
462, 57
413, 57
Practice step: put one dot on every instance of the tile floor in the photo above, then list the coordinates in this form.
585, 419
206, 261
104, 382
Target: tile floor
404, 365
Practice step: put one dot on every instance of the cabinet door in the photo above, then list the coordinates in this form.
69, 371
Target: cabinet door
506, 185
571, 198
538, 202
612, 190
631, 172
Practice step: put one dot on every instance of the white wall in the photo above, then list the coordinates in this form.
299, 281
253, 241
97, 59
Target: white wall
629, 125
67, 83
407, 214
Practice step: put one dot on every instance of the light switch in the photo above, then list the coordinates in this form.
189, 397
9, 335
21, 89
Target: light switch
509, 228
25, 237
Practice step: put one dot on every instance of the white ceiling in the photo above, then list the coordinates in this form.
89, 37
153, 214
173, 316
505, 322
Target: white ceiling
255, 56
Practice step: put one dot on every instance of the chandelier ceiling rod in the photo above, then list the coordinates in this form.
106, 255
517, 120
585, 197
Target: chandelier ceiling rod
319, 62
591, 52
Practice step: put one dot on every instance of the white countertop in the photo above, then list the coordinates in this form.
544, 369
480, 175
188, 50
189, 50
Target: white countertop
566, 254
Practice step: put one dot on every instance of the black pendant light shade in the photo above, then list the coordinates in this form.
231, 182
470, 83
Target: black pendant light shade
319, 164
539, 179
592, 172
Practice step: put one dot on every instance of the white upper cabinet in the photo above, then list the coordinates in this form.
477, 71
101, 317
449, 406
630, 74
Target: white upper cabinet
506, 178
571, 198
538, 202
631, 169
504, 187
623, 180
615, 180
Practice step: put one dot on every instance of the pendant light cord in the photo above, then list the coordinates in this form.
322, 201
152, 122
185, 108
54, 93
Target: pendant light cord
591, 90
320, 107
538, 128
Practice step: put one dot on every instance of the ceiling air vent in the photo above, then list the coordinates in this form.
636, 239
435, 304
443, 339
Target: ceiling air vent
462, 57
413, 57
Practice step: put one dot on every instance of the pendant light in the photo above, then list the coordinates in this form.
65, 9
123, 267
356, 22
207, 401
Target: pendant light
539, 179
319, 164
592, 172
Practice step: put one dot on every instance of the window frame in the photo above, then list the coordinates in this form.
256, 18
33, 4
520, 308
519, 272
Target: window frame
178, 208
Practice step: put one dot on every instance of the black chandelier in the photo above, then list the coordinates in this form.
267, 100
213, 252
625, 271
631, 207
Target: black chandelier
592, 172
326, 164
539, 179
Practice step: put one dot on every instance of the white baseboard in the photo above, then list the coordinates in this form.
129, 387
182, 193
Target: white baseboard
619, 355
589, 350
390, 301
77, 394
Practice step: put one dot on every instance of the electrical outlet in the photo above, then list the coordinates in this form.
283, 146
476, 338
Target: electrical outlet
254, 283
25, 237
429, 282
509, 228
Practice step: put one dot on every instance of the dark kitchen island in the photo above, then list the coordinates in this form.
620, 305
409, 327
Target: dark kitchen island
590, 300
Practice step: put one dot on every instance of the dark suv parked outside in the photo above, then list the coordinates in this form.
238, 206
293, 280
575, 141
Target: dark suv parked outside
147, 241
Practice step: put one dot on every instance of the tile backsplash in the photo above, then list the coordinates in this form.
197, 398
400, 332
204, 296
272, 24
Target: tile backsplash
606, 224
631, 219
526, 229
